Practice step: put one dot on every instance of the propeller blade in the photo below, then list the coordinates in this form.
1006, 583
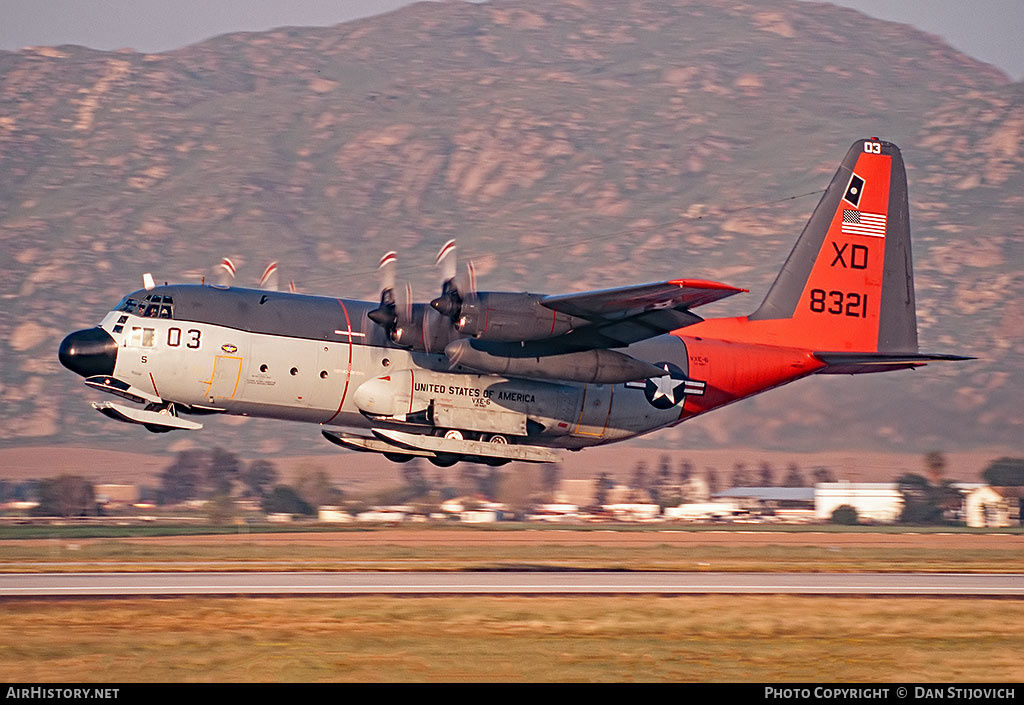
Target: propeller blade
269, 278
224, 272
449, 303
465, 282
404, 324
386, 267
386, 315
446, 261
403, 304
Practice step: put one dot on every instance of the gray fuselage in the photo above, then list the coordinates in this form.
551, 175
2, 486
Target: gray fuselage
304, 358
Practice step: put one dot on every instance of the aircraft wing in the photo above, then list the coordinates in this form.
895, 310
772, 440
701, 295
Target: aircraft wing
628, 301
618, 317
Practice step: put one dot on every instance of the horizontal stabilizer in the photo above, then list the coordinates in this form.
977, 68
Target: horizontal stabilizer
864, 362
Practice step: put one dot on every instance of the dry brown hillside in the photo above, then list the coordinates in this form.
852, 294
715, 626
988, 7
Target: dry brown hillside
568, 144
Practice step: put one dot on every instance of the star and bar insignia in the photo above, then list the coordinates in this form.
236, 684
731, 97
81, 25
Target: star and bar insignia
671, 389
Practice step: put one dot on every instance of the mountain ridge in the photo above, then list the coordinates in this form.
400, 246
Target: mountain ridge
566, 132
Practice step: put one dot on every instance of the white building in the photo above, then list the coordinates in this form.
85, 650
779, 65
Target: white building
992, 506
478, 516
702, 511
874, 501
333, 515
634, 511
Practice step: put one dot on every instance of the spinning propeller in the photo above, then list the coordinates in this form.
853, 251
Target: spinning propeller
457, 287
224, 275
418, 325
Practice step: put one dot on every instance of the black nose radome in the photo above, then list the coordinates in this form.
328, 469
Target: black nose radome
89, 352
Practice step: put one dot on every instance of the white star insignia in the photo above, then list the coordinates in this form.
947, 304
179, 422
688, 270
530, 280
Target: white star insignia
665, 387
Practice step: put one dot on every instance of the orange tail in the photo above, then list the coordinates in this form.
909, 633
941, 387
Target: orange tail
848, 284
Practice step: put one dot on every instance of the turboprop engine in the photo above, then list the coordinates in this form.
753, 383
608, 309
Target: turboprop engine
506, 316
598, 366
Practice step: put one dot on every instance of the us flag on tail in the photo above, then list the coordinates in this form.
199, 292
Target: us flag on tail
861, 223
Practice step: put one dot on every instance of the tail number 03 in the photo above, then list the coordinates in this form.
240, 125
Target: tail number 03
873, 147
192, 340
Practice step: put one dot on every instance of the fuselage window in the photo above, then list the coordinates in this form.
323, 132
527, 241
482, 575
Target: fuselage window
142, 337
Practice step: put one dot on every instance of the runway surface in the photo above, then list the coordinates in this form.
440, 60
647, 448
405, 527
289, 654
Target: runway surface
505, 583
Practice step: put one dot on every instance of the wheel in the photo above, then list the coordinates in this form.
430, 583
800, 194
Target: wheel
454, 435
163, 409
444, 460
498, 439
398, 457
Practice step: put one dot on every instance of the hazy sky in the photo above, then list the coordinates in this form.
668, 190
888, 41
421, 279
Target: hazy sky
989, 30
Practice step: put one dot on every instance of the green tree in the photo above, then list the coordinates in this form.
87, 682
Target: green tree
259, 477
846, 515
821, 474
925, 502
640, 481
314, 487
222, 470
604, 485
794, 478
711, 475
416, 482
685, 471
740, 476
66, 496
181, 480
1005, 472
551, 474
935, 464
220, 509
199, 473
285, 500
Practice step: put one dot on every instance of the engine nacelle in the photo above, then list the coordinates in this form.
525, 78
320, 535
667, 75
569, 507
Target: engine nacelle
512, 317
598, 366
427, 331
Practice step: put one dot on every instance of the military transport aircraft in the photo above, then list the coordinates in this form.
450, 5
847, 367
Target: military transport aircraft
498, 376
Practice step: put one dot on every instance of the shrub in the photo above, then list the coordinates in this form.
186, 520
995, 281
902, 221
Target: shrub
845, 514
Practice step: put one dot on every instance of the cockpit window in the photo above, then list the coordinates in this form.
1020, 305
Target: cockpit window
152, 306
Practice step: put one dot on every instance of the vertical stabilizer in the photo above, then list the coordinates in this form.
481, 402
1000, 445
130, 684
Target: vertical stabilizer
848, 284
